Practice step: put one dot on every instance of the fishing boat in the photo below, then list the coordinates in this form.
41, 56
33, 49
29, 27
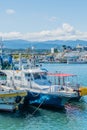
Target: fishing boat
65, 80
40, 89
11, 99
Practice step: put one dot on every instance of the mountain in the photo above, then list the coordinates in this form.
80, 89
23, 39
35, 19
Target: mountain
23, 44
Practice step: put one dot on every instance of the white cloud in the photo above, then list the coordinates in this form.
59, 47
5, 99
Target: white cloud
68, 28
10, 11
11, 35
66, 32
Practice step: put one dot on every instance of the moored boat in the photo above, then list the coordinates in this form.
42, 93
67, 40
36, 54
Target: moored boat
40, 89
11, 99
64, 80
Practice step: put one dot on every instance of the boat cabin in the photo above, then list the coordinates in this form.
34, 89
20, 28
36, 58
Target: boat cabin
26, 78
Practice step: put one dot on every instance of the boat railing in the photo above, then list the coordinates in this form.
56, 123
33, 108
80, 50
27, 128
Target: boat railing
74, 86
57, 88
61, 88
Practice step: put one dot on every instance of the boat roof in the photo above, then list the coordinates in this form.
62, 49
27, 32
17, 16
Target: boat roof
60, 74
34, 70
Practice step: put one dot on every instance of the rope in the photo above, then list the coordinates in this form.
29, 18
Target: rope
38, 107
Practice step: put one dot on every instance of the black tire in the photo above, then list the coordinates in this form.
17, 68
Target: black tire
18, 99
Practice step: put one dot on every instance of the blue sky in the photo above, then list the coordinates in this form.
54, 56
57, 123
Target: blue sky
40, 20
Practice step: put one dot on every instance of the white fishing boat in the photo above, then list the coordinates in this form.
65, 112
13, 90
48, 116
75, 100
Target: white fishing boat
10, 99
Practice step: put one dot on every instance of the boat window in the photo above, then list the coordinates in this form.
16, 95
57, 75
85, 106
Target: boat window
26, 67
17, 77
28, 79
36, 76
27, 74
10, 78
43, 76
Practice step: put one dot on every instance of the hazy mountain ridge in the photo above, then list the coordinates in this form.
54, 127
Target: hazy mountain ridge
22, 44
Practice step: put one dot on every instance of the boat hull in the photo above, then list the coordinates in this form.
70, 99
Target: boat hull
75, 98
48, 101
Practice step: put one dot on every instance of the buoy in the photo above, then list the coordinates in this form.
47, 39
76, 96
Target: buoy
83, 91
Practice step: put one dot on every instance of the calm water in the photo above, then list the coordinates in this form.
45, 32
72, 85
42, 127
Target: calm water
74, 118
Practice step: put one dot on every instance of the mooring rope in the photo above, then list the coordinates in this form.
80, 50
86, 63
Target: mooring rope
38, 107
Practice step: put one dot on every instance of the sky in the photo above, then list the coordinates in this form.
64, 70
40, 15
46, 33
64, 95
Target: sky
43, 20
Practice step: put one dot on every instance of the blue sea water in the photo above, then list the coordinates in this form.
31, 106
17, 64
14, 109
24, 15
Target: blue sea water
73, 118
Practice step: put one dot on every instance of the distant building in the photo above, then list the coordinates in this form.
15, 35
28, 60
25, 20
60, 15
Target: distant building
52, 50
81, 48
